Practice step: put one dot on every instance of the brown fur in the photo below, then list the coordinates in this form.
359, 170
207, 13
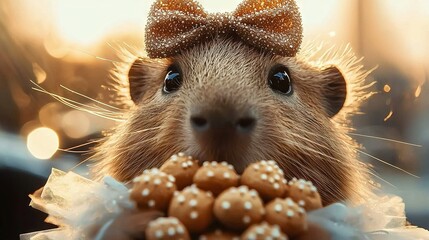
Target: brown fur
296, 131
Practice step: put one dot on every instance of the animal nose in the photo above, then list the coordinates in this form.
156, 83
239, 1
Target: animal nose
225, 121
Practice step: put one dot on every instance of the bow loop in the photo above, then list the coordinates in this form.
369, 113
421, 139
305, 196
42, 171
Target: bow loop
177, 25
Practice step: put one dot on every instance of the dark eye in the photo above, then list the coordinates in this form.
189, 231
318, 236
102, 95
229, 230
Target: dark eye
173, 79
279, 80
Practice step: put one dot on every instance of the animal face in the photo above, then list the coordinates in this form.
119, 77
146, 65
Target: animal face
223, 101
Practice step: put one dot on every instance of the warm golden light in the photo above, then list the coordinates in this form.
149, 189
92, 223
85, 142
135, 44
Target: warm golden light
88, 22
76, 124
39, 73
386, 88
42, 143
418, 91
388, 116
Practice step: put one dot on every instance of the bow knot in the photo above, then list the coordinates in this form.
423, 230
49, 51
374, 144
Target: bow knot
272, 26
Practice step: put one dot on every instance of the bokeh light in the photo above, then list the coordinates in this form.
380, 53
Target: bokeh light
43, 143
76, 124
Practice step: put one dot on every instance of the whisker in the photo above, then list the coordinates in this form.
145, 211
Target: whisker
75, 105
80, 145
144, 130
381, 179
367, 154
388, 164
74, 151
385, 139
99, 58
79, 164
91, 99
70, 101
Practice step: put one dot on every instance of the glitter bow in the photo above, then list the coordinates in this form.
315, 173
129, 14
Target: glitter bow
272, 26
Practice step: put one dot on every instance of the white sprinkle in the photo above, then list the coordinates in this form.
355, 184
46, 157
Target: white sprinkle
290, 202
276, 186
226, 205
301, 203
171, 231
181, 154
313, 189
301, 186
226, 175
260, 230
246, 219
159, 234
253, 193
247, 205
174, 158
264, 176
276, 177
145, 192
210, 173
214, 163
271, 180
169, 185
171, 178
180, 230
146, 178
181, 199
193, 203
194, 215
269, 169
276, 232
151, 203
205, 164
184, 165
190, 163
256, 167
224, 163
157, 181
290, 213
174, 220
251, 236
137, 179
194, 191
243, 191
278, 207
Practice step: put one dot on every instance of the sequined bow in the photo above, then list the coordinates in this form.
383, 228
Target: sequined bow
269, 25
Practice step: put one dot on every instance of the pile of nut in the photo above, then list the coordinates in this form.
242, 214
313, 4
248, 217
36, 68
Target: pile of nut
213, 202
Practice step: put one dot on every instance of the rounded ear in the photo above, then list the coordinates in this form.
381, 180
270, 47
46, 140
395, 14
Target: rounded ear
144, 73
334, 90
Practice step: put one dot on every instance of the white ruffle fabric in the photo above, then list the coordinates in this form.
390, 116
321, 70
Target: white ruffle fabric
78, 206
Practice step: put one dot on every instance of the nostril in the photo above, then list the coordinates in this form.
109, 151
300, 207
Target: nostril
199, 123
246, 124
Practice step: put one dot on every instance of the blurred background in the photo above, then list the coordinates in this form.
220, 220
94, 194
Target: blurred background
74, 44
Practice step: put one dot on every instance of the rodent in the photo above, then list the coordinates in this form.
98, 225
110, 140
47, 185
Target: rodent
219, 101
